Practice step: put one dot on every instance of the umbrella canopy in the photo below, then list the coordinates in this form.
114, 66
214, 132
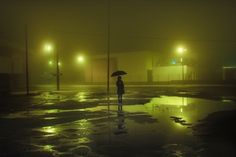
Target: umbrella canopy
118, 73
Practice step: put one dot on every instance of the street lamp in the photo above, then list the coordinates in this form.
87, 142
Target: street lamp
48, 48
50, 62
80, 59
181, 51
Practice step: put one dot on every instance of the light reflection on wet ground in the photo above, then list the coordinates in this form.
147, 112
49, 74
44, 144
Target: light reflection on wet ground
78, 124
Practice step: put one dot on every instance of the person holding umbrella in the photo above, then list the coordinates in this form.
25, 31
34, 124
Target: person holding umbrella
120, 87
120, 91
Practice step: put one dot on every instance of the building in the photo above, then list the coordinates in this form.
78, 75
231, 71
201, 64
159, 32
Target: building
11, 70
142, 67
229, 73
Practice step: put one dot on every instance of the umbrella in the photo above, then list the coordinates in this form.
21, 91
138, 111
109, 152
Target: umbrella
118, 73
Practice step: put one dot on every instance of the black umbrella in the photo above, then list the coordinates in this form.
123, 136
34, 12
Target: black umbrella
118, 73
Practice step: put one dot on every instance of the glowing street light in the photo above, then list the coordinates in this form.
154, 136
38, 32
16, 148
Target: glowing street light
80, 59
49, 49
50, 62
181, 51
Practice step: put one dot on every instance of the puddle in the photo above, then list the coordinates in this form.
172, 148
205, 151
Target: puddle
157, 128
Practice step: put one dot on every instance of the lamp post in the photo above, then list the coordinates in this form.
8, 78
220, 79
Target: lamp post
58, 71
108, 51
181, 51
26, 61
81, 61
48, 48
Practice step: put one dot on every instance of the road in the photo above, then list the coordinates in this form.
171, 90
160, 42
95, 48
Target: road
155, 121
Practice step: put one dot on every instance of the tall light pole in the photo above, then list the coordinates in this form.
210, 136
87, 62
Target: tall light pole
48, 48
108, 51
80, 59
181, 51
58, 71
26, 61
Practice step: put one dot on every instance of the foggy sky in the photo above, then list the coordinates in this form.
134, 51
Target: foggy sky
205, 27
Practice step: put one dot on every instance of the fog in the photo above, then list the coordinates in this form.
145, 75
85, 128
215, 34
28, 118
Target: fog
146, 33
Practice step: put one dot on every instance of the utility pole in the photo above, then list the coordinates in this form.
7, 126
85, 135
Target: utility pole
58, 70
108, 51
26, 61
182, 64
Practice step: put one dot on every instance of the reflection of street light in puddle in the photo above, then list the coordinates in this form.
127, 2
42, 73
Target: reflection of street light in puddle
175, 107
48, 148
170, 101
84, 127
50, 118
178, 125
81, 96
50, 130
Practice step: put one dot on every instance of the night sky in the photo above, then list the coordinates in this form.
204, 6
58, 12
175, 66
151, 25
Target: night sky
205, 27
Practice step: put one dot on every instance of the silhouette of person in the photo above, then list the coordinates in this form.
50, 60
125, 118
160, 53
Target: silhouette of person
120, 91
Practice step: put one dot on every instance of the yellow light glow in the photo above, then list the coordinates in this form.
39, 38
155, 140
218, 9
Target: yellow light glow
48, 148
81, 96
170, 101
50, 62
49, 129
59, 63
84, 127
179, 126
48, 48
181, 50
80, 59
84, 140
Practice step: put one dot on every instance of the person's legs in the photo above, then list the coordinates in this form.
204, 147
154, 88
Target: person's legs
119, 102
119, 98
118, 105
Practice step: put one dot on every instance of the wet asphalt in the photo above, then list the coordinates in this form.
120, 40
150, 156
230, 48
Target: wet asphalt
80, 122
